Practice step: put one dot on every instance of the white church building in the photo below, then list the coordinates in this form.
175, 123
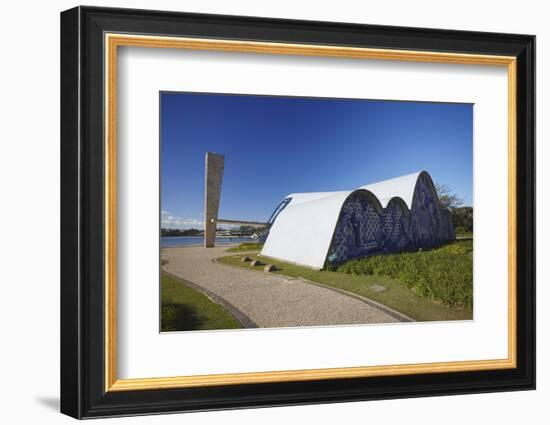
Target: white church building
400, 214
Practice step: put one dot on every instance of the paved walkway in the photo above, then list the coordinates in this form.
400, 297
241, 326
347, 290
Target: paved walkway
268, 300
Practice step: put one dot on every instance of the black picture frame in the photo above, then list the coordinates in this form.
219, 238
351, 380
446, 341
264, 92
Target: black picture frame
83, 392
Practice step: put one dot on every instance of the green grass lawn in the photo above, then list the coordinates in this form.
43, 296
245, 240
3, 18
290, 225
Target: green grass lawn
184, 309
397, 294
247, 246
443, 275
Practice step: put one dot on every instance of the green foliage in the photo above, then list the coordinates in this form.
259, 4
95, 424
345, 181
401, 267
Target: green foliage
462, 217
447, 198
184, 309
397, 295
247, 246
456, 248
443, 275
247, 230
169, 317
463, 220
180, 232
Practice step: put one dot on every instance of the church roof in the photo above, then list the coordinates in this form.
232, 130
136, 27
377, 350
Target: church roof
302, 232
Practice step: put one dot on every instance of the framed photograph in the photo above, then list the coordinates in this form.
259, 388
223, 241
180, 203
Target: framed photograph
261, 212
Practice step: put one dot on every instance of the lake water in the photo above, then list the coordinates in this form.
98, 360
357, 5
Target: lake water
170, 241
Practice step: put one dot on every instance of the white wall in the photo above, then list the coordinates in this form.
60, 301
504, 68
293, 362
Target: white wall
29, 171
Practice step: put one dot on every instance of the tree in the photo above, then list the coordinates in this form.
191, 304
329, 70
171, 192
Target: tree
461, 216
447, 198
247, 230
180, 232
463, 219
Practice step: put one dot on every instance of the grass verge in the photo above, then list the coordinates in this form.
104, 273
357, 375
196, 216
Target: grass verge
443, 275
247, 246
184, 309
396, 294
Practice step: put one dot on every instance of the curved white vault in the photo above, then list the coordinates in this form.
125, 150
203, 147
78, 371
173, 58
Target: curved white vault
393, 215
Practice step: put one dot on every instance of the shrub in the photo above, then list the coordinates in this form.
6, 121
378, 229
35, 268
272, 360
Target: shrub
443, 275
457, 248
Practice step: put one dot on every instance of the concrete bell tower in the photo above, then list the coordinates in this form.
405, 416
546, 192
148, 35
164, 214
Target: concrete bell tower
212, 192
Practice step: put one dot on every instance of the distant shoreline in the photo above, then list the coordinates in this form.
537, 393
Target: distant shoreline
202, 236
181, 236
173, 241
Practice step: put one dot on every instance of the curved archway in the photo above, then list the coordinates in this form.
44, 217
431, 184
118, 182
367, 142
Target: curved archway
397, 226
359, 229
430, 228
395, 215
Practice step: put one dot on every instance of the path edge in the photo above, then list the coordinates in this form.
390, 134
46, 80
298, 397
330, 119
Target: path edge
403, 318
241, 317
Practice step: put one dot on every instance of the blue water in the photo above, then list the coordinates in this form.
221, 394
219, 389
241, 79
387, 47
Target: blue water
170, 241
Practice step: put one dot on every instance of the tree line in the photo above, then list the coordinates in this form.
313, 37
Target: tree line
180, 232
241, 231
462, 216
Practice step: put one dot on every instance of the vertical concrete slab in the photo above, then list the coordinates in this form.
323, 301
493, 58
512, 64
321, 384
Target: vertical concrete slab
212, 192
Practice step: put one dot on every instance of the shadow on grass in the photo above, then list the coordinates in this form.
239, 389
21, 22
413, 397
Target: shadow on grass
179, 317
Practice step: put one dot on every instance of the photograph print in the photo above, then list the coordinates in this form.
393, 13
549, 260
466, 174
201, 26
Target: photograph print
281, 211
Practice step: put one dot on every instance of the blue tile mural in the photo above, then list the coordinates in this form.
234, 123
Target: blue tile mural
365, 228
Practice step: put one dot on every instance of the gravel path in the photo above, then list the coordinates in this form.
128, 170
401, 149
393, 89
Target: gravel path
268, 300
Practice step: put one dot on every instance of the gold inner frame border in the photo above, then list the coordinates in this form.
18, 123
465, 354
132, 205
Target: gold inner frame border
113, 40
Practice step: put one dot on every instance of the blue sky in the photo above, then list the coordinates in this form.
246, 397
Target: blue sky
274, 146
